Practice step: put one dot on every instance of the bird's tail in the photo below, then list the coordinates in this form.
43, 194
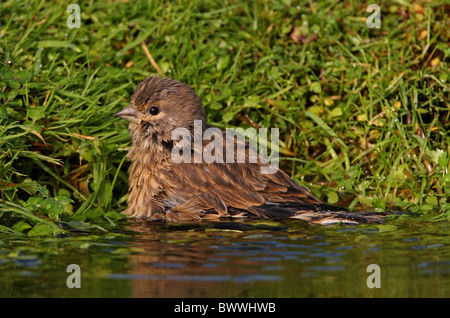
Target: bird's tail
345, 217
324, 214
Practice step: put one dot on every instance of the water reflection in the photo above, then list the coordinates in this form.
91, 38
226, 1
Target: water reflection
252, 259
280, 260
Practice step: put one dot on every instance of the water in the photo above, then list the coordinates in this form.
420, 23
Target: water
256, 259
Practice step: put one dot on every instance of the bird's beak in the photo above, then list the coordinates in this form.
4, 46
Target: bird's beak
128, 113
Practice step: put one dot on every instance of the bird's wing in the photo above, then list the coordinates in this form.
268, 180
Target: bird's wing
239, 186
236, 187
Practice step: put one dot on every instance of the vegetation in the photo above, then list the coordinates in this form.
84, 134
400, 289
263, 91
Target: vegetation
363, 112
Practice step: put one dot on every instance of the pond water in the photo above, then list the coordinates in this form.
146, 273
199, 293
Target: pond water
252, 259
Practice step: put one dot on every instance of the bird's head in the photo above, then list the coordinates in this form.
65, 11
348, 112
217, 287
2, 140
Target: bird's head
159, 106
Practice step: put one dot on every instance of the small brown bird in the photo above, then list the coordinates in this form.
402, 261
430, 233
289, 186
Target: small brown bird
161, 188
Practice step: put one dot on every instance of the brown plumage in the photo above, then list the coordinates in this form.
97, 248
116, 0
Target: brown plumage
160, 189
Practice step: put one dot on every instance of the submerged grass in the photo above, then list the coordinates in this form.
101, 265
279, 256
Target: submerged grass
363, 112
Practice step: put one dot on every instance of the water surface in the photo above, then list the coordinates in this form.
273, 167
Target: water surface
252, 259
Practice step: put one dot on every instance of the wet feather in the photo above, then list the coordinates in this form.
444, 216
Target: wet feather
161, 189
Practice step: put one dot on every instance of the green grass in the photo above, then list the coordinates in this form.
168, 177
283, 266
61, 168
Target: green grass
363, 113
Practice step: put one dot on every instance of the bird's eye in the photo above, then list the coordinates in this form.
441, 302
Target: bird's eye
153, 110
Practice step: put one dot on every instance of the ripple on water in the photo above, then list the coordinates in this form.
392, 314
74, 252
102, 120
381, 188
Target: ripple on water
263, 259
411, 239
217, 259
430, 246
273, 268
433, 268
28, 261
198, 278
328, 254
325, 268
344, 248
287, 253
169, 265
210, 265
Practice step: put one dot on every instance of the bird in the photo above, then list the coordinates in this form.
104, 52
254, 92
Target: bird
161, 187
